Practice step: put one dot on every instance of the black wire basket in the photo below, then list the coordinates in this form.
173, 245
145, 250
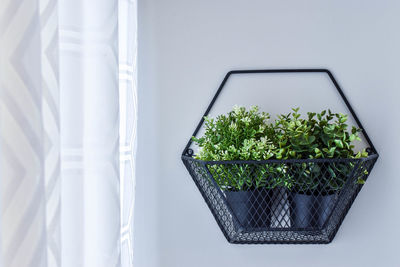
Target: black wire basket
265, 210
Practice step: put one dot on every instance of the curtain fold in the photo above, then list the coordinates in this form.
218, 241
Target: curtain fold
89, 133
127, 48
67, 132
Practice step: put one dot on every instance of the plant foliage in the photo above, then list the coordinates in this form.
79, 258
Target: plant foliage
250, 135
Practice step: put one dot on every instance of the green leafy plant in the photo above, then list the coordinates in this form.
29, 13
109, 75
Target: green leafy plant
249, 135
240, 135
320, 135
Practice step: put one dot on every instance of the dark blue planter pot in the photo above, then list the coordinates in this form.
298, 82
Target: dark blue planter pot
252, 208
311, 211
326, 205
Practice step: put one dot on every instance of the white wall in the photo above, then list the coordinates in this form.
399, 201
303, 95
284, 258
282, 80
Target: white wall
186, 47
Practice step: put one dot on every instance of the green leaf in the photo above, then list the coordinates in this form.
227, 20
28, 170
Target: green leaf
338, 143
343, 119
360, 181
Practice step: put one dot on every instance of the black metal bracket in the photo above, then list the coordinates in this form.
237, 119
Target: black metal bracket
280, 214
189, 152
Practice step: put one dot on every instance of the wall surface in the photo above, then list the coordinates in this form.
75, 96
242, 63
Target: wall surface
186, 47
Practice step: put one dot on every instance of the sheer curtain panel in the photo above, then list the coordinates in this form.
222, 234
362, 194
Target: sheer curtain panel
67, 132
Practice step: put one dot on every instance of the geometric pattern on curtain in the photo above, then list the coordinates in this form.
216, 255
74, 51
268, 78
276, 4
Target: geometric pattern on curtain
22, 193
48, 15
68, 111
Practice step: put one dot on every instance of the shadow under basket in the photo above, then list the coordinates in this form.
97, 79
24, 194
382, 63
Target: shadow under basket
309, 210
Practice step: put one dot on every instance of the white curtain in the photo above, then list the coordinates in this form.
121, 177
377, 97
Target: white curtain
67, 132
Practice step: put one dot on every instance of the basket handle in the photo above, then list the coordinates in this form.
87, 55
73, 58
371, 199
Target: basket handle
189, 152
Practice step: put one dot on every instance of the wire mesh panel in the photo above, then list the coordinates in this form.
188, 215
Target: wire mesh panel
295, 201
289, 201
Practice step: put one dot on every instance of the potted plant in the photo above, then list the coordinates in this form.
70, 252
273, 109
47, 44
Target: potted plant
241, 135
304, 168
246, 137
314, 186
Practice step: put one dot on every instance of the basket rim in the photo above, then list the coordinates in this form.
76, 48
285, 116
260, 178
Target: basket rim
320, 160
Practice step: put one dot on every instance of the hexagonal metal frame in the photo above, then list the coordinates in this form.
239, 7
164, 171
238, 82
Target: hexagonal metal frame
223, 213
